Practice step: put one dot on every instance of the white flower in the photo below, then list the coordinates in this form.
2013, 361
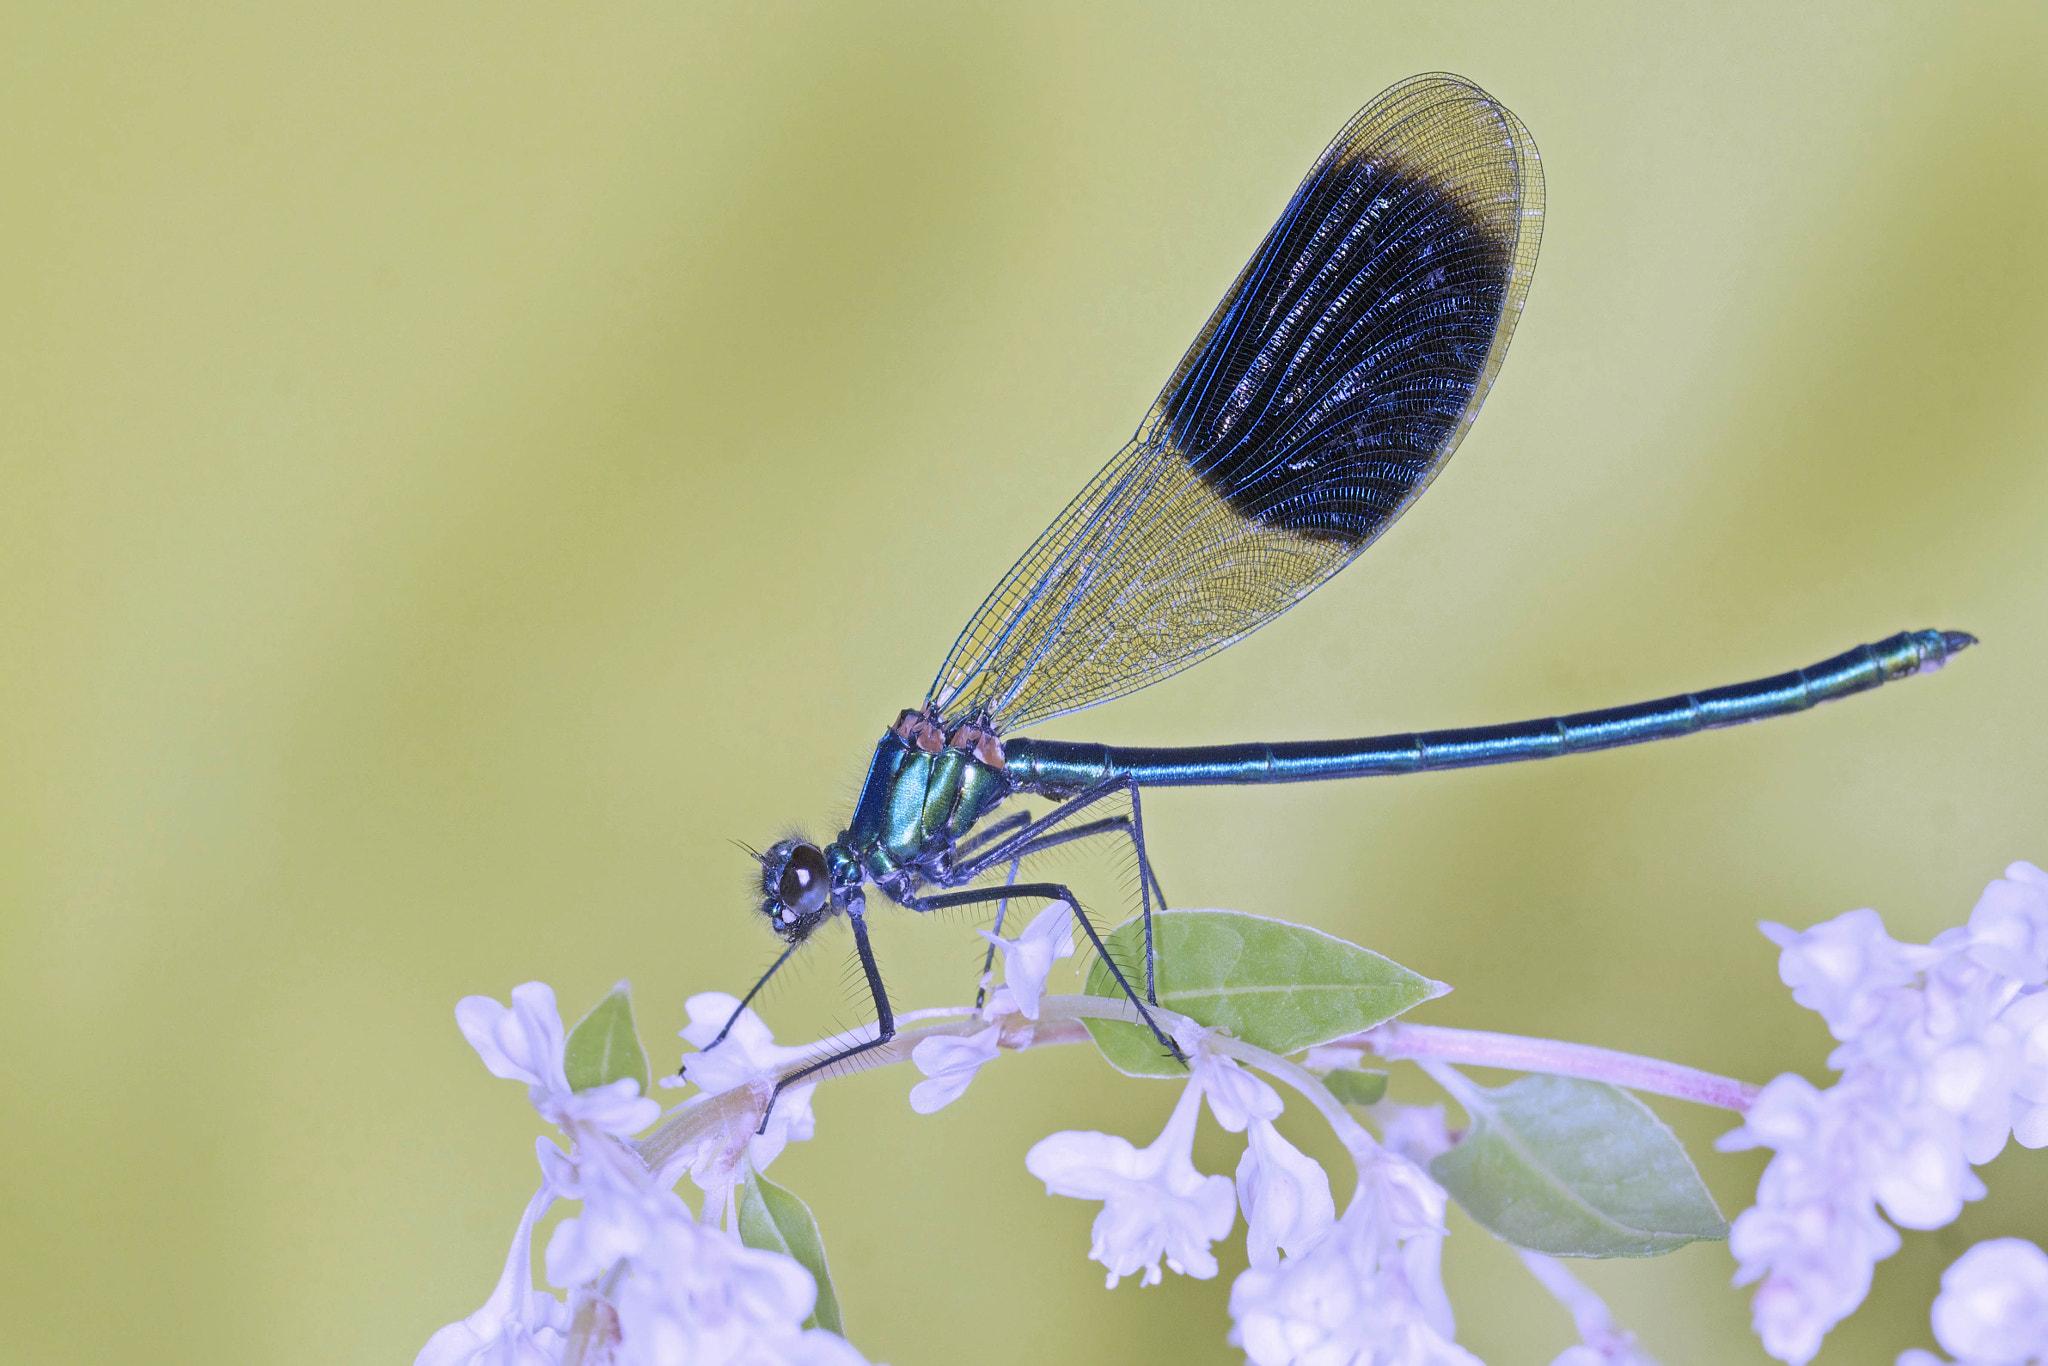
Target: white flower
1237, 1097
677, 1290
525, 1043
614, 1225
1943, 1055
747, 1053
2027, 1018
747, 1056
2009, 927
1154, 1201
1601, 1341
518, 1325
1993, 1307
687, 1292
949, 1063
1370, 1293
1416, 1132
680, 1290
1842, 968
1284, 1194
1029, 957
1813, 1236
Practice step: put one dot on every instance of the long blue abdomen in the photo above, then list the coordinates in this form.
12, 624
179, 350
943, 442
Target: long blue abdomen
1056, 766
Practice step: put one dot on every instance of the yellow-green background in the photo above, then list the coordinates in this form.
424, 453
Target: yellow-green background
462, 465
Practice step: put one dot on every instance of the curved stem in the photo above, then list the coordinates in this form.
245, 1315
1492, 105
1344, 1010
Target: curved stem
1396, 1041
1060, 1021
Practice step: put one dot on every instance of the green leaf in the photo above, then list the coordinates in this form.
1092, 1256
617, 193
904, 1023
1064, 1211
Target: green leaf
1356, 1085
775, 1220
605, 1046
1574, 1168
1282, 987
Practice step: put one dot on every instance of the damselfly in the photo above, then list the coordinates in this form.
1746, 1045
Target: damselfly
1333, 381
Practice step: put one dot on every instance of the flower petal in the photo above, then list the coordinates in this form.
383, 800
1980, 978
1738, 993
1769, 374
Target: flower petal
1285, 1196
949, 1063
523, 1043
1028, 959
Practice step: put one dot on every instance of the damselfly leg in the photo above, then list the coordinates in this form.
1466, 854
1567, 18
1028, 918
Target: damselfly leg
1037, 836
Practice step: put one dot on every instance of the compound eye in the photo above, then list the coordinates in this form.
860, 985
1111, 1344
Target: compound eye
804, 880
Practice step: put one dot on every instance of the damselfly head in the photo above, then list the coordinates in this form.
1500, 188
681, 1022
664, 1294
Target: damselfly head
796, 888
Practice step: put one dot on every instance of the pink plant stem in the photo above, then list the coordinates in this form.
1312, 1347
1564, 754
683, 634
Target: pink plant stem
1516, 1053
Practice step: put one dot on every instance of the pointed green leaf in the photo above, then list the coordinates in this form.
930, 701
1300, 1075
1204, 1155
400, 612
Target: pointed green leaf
1356, 1085
1282, 987
1574, 1168
605, 1046
775, 1220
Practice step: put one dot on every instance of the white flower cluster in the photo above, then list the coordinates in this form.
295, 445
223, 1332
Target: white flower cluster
1943, 1057
1944, 1054
1362, 1289
654, 1285
1369, 1291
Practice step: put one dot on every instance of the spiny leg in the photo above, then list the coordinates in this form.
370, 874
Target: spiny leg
1006, 825
1035, 836
885, 1018
739, 1009
1106, 826
1012, 822
977, 857
1052, 891
988, 961
1145, 867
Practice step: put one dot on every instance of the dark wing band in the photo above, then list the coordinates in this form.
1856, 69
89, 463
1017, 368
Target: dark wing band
1335, 378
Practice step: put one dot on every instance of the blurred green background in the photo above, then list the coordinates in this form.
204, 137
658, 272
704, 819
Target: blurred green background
466, 464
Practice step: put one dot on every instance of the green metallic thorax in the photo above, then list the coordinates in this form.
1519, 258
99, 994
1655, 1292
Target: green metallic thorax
915, 804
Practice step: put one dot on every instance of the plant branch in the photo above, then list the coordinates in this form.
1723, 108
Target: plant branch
737, 1111
1397, 1041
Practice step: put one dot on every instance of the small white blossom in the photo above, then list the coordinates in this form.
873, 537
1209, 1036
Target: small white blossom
1814, 1235
2027, 1018
520, 1043
1993, 1307
747, 1056
747, 1053
1416, 1132
1943, 1055
690, 1292
949, 1063
1155, 1203
518, 1325
1843, 969
2009, 927
1237, 1097
677, 1289
1284, 1194
1370, 1293
524, 1043
1028, 959
616, 1224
